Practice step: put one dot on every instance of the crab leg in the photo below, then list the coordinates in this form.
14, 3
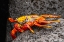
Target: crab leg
50, 16
13, 33
54, 21
35, 23
48, 22
30, 29
39, 25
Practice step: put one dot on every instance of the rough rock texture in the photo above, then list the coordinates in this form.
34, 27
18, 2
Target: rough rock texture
24, 7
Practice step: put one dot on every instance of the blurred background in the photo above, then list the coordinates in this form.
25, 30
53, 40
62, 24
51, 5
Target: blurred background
23, 7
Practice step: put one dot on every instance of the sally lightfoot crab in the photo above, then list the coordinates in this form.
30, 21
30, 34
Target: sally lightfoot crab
38, 20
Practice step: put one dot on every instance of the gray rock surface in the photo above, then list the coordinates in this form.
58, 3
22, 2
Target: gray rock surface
24, 7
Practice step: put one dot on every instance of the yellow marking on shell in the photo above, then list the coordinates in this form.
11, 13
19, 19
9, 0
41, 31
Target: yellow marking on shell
21, 19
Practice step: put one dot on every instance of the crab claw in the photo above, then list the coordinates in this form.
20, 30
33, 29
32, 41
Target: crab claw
13, 32
18, 27
11, 19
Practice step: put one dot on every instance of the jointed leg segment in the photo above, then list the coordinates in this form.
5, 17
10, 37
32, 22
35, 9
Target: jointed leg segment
39, 25
48, 22
50, 16
30, 29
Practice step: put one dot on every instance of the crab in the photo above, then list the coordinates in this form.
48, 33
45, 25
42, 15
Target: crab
33, 20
